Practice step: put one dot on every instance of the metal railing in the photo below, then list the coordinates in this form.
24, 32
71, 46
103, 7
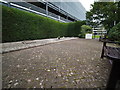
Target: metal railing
53, 15
34, 9
65, 19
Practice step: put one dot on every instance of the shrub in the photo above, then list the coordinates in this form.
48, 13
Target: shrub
114, 33
84, 29
18, 25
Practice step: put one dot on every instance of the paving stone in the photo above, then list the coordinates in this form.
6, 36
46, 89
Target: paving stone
69, 64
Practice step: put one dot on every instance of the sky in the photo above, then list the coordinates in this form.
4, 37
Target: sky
86, 3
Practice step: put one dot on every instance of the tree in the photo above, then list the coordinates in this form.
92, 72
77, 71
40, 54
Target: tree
114, 33
103, 13
85, 29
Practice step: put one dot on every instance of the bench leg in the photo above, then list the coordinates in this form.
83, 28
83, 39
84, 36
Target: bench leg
114, 76
104, 45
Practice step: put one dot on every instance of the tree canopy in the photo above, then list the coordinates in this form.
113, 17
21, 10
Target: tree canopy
104, 13
86, 28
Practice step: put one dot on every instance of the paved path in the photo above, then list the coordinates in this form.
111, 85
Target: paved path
14, 46
69, 64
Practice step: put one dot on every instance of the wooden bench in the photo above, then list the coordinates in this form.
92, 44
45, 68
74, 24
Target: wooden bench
113, 54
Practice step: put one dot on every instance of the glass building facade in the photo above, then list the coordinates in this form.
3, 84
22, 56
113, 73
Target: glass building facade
60, 10
74, 8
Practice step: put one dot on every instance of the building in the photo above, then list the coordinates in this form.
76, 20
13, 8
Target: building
99, 31
60, 11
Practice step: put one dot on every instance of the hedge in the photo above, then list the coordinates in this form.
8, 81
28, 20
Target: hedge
114, 33
18, 25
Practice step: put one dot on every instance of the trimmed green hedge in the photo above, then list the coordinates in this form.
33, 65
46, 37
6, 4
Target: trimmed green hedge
114, 33
20, 25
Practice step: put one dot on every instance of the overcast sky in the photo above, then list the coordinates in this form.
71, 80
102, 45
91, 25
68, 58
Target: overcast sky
86, 3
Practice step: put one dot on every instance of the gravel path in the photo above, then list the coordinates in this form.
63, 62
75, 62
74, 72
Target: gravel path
68, 64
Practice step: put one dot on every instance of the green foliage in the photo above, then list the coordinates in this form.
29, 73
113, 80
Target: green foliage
114, 33
21, 25
74, 28
96, 36
104, 13
84, 29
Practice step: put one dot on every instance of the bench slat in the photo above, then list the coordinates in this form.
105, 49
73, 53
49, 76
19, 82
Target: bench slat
112, 52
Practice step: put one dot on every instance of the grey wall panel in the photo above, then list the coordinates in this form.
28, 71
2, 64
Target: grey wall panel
74, 8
